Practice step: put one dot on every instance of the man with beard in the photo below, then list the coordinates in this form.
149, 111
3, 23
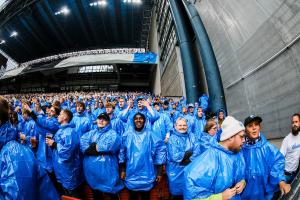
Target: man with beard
264, 172
290, 148
218, 173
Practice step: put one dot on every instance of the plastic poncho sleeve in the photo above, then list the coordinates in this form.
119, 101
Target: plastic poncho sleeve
160, 150
200, 179
276, 165
173, 154
154, 117
111, 143
50, 125
122, 153
85, 141
65, 147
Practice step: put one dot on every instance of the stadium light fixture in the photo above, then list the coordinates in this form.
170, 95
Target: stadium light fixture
2, 42
98, 3
133, 1
13, 34
63, 11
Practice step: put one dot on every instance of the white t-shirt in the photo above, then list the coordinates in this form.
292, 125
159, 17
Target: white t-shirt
290, 148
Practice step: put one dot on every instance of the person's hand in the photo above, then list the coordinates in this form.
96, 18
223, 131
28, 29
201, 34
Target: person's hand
284, 187
123, 175
158, 178
166, 139
49, 142
26, 107
228, 194
22, 136
145, 103
240, 186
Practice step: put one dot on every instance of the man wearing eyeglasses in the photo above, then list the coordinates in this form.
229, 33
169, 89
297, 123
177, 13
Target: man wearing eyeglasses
218, 173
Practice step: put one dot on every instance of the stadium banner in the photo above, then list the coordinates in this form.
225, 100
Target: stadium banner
139, 58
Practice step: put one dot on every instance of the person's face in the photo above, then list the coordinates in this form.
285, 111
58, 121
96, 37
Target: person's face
184, 109
200, 112
181, 126
191, 109
121, 103
139, 121
100, 104
101, 123
109, 110
295, 125
61, 117
173, 106
196, 104
140, 104
213, 130
165, 107
88, 110
237, 142
157, 108
221, 115
253, 130
79, 108
52, 112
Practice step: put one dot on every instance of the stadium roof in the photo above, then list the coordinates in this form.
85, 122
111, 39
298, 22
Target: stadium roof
32, 29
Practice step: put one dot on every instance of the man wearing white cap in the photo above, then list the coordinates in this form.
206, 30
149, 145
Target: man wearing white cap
218, 173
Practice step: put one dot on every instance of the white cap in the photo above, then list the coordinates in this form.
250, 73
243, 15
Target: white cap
230, 127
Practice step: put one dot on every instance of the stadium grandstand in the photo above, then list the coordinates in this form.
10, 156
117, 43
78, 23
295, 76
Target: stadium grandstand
129, 99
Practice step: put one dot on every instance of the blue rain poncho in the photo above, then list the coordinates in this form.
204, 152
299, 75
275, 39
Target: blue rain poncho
66, 157
141, 151
206, 141
178, 144
203, 100
7, 133
44, 126
163, 125
150, 119
198, 125
102, 171
264, 169
214, 171
117, 124
21, 177
28, 128
83, 124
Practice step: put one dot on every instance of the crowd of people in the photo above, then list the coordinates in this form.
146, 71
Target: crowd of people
53, 144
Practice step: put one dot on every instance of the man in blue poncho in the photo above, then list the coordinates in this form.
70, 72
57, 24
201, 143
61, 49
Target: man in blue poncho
181, 150
45, 126
163, 125
66, 155
142, 155
218, 173
82, 123
100, 164
264, 164
20, 175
